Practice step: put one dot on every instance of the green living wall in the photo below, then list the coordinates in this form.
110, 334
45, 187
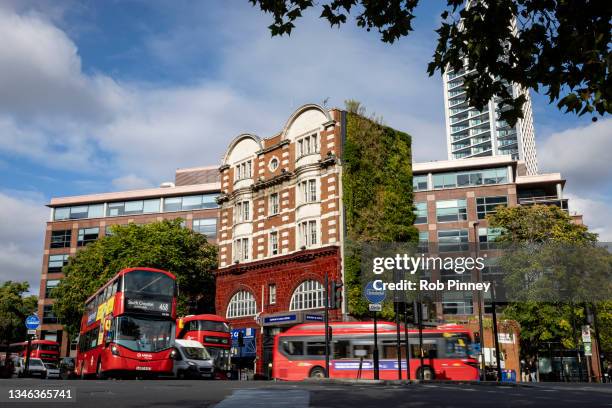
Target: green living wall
378, 201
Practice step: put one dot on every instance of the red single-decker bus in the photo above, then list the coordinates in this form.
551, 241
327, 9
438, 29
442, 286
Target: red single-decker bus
299, 352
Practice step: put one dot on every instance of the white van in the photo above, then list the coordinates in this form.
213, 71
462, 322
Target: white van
37, 368
192, 360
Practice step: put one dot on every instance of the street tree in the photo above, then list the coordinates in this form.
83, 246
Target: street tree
553, 267
165, 245
559, 47
15, 306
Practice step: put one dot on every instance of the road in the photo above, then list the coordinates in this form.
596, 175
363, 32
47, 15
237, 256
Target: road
236, 394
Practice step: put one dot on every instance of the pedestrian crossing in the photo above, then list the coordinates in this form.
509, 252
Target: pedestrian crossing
277, 398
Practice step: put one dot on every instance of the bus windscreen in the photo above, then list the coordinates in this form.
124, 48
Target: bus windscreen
149, 283
144, 334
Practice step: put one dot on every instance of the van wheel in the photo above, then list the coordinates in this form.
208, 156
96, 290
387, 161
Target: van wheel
99, 373
317, 372
180, 375
425, 373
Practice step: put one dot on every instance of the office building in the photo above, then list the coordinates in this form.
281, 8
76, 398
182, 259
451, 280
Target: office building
76, 221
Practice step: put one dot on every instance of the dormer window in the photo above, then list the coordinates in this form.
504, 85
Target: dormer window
244, 170
307, 145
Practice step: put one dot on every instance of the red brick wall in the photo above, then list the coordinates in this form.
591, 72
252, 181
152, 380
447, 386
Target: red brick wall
287, 273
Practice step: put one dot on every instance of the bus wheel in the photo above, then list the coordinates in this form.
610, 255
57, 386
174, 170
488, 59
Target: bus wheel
99, 373
425, 373
317, 372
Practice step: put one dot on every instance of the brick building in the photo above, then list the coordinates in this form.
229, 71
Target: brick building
280, 221
78, 220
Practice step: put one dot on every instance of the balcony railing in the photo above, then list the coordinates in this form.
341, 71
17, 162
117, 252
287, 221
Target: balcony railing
545, 200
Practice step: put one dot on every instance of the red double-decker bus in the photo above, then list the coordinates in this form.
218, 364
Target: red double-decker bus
129, 326
46, 350
299, 352
213, 332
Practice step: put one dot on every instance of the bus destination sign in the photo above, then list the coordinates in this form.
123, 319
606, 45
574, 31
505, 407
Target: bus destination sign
148, 306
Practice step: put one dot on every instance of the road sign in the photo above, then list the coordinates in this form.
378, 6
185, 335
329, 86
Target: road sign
31, 332
32, 322
586, 334
588, 350
373, 295
375, 307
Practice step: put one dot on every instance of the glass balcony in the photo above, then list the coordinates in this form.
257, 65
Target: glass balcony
545, 200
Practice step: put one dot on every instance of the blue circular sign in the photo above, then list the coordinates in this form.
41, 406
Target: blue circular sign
32, 322
373, 295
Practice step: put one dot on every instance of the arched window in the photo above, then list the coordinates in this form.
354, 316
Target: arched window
242, 304
309, 295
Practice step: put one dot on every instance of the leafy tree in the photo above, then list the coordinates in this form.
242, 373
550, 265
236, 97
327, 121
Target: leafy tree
562, 47
537, 224
554, 267
14, 308
164, 245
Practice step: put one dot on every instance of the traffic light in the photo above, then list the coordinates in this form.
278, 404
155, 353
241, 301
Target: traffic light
335, 301
240, 339
410, 312
416, 306
477, 338
329, 334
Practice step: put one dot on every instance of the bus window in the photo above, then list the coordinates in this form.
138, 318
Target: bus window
389, 350
94, 337
293, 348
114, 287
456, 347
108, 292
315, 348
430, 349
364, 345
149, 283
110, 334
341, 349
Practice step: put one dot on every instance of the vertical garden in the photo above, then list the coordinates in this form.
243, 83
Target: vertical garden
377, 195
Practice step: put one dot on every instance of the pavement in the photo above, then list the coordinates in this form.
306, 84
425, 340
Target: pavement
265, 394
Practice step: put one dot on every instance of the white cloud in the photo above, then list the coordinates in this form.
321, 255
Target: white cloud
42, 74
53, 112
596, 214
130, 182
581, 154
22, 227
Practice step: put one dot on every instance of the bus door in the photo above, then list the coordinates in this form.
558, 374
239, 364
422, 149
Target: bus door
268, 349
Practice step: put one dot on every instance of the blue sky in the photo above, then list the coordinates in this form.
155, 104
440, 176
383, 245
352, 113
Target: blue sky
104, 96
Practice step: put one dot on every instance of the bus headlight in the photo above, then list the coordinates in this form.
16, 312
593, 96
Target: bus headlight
173, 354
115, 350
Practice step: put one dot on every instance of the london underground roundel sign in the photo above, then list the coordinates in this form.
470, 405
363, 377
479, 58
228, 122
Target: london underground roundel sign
32, 322
373, 295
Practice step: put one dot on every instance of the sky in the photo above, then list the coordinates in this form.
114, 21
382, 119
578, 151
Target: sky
114, 95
